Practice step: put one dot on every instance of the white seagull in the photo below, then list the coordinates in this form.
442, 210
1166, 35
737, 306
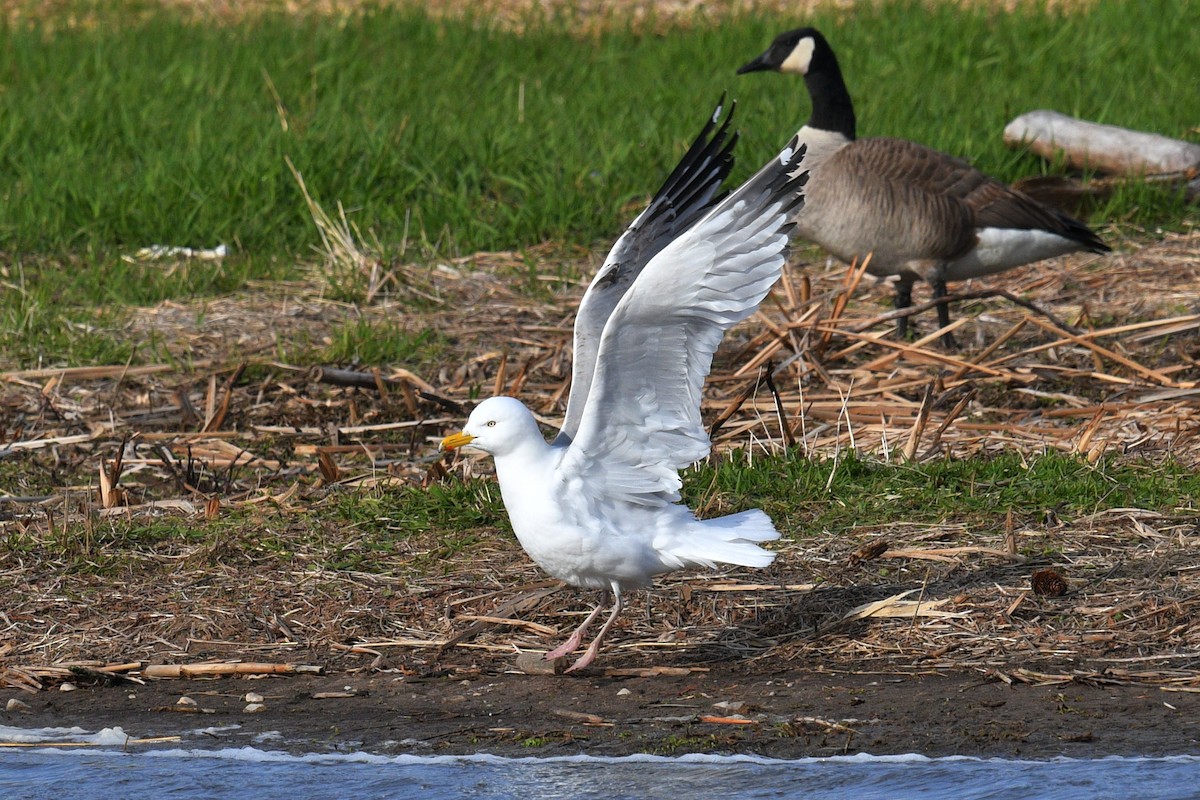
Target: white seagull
600, 507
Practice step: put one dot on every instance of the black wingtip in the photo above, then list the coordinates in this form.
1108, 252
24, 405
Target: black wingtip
716, 115
1078, 231
694, 185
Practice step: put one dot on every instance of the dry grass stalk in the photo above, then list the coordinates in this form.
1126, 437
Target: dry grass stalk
212, 670
352, 267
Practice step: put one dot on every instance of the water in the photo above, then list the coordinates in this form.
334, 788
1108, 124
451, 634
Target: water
49, 772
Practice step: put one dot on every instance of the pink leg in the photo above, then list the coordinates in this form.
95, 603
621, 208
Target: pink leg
577, 637
594, 648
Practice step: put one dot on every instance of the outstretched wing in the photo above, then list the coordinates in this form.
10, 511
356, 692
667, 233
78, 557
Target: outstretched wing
642, 421
687, 194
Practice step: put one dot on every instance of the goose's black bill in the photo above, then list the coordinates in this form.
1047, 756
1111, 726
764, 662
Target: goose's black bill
756, 65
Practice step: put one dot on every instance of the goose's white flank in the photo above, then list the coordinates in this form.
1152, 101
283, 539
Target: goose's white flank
600, 507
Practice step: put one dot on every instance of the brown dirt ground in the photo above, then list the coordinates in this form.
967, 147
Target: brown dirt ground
790, 711
960, 656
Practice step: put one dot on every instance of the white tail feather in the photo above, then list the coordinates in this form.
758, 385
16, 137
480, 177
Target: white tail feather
725, 540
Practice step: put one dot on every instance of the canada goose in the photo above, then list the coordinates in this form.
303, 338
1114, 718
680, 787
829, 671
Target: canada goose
600, 507
917, 212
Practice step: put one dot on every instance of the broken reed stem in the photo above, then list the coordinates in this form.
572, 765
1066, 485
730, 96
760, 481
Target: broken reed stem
238, 668
914, 434
959, 407
788, 440
1145, 372
987, 351
217, 420
851, 280
984, 294
734, 406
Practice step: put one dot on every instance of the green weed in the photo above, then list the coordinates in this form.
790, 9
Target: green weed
442, 137
364, 342
453, 506
802, 494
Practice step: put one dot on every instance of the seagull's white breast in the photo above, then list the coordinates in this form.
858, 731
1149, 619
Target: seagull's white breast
577, 534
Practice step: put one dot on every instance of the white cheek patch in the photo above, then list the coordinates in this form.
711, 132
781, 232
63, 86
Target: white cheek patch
800, 58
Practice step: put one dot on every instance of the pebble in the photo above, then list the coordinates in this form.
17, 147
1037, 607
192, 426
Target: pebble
253, 697
67, 687
14, 704
623, 693
730, 705
253, 708
532, 663
185, 701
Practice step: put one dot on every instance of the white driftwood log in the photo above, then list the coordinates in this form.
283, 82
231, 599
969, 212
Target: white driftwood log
1106, 148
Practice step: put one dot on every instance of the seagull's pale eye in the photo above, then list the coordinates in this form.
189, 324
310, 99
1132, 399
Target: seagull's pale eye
491, 423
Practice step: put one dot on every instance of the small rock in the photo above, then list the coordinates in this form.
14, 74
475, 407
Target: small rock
534, 663
730, 705
623, 693
253, 708
185, 701
17, 705
67, 687
253, 697
132, 696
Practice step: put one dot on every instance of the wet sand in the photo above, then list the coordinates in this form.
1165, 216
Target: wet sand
761, 708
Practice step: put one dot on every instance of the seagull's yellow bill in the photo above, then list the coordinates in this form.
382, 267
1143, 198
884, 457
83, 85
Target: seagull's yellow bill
456, 440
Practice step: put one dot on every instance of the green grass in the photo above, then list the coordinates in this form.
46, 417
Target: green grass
162, 131
107, 548
365, 342
357, 530
364, 530
450, 137
453, 507
801, 494
802, 498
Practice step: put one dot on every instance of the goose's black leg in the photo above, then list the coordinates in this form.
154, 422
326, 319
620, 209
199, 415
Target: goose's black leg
903, 300
943, 312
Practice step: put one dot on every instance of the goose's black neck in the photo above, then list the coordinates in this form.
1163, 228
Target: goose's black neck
832, 109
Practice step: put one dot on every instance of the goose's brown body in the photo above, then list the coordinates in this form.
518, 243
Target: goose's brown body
921, 214
918, 213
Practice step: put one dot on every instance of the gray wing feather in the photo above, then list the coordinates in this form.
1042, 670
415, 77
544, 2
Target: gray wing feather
687, 194
642, 422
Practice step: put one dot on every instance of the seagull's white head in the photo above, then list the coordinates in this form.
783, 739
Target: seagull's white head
498, 425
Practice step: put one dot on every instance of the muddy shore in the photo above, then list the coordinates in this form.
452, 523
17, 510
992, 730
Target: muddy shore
761, 709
